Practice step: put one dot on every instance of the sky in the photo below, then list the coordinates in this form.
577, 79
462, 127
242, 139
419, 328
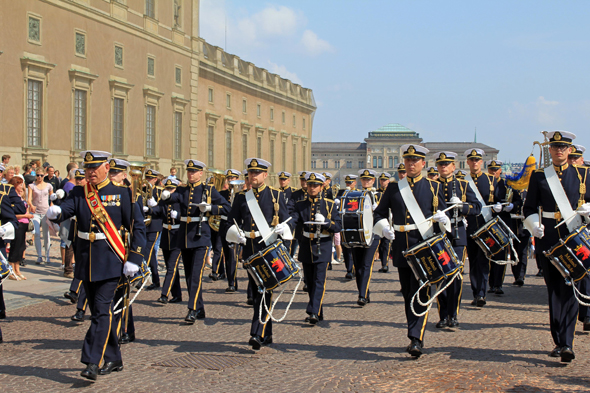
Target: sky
508, 69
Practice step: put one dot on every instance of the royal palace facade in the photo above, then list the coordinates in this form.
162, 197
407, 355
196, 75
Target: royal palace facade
381, 151
133, 77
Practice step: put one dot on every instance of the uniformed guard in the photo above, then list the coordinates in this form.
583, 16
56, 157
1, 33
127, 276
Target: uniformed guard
576, 157
459, 174
328, 190
559, 192
384, 243
524, 238
257, 213
170, 245
363, 257
217, 235
153, 227
508, 201
485, 187
285, 187
350, 181
401, 171
229, 250
297, 195
315, 252
457, 192
102, 209
414, 193
197, 201
432, 173
16, 203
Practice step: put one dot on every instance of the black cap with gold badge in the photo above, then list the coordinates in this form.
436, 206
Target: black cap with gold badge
94, 158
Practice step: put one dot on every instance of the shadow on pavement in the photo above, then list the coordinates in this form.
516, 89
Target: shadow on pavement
52, 374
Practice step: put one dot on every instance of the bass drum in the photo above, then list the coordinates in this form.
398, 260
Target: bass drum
356, 211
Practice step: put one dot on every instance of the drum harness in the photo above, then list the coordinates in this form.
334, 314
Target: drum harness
426, 230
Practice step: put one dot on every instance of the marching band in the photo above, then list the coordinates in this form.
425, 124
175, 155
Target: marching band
429, 222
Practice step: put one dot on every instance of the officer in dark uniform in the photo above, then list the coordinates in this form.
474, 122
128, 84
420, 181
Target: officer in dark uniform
218, 259
102, 209
350, 181
16, 203
316, 244
153, 228
285, 187
328, 190
229, 250
479, 265
508, 201
432, 173
297, 195
196, 200
429, 196
563, 306
363, 257
384, 243
170, 245
456, 191
7, 231
459, 174
247, 232
522, 248
401, 171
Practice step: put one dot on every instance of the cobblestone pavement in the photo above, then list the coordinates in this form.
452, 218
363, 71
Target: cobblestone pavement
502, 347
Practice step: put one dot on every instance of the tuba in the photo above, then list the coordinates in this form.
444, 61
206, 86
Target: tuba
217, 179
139, 186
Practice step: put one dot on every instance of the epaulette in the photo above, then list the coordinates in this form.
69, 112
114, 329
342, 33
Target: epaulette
540, 170
119, 184
242, 193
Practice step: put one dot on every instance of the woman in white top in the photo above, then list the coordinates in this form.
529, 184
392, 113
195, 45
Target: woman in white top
38, 200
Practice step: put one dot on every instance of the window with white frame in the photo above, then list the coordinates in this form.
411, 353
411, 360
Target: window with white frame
34, 113
80, 119
150, 131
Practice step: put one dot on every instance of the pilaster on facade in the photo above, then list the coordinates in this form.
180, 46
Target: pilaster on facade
194, 100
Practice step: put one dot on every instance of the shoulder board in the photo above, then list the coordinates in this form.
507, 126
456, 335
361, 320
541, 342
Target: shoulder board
540, 170
119, 184
242, 193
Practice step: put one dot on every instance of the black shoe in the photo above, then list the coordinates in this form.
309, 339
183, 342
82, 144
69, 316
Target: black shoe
415, 348
586, 323
540, 273
2, 314
221, 276
499, 291
201, 314
567, 354
151, 287
556, 352
348, 276
163, 299
250, 301
214, 276
126, 338
443, 323
474, 302
481, 301
329, 266
78, 316
453, 322
256, 342
191, 317
313, 319
175, 299
519, 282
230, 289
305, 288
110, 367
492, 290
362, 301
91, 371
73, 296
384, 269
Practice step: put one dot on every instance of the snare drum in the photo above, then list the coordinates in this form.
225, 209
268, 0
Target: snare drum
271, 267
433, 259
571, 256
356, 210
5, 270
493, 237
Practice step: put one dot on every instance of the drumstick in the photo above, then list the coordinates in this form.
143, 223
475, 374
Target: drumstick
238, 227
271, 232
502, 204
567, 219
444, 211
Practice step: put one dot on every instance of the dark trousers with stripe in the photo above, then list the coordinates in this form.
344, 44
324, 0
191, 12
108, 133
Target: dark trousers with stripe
348, 261
257, 328
363, 259
409, 284
77, 287
479, 269
522, 249
101, 339
384, 245
563, 306
231, 271
150, 255
217, 264
498, 272
172, 279
194, 262
122, 318
449, 300
315, 279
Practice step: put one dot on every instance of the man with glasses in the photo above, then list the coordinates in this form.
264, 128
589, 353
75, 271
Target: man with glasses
102, 209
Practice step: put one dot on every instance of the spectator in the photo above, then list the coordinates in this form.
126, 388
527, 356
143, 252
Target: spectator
5, 159
28, 176
51, 178
35, 164
18, 244
57, 174
38, 199
8, 174
16, 170
69, 167
173, 173
67, 252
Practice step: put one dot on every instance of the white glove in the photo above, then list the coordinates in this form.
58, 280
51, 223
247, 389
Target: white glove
388, 233
60, 194
53, 197
337, 202
53, 212
584, 210
320, 218
454, 200
539, 231
440, 217
509, 207
165, 195
173, 214
281, 228
152, 202
241, 238
2, 232
130, 268
146, 209
205, 208
375, 204
497, 207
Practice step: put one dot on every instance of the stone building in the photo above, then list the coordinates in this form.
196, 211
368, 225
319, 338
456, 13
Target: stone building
133, 77
381, 151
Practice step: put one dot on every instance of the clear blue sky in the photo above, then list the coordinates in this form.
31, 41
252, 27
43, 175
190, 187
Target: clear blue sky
441, 68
